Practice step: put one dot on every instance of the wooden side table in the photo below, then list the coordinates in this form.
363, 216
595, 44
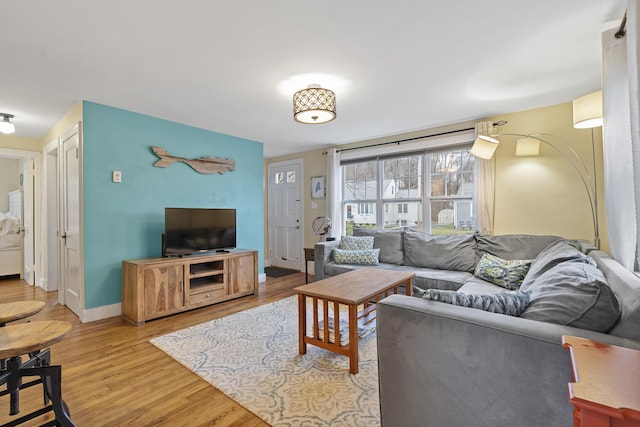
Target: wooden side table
309, 255
606, 387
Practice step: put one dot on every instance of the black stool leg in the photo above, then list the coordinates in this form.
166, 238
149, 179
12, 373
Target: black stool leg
13, 384
53, 387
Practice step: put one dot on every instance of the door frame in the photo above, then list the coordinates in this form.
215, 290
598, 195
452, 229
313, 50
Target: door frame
50, 220
36, 236
270, 166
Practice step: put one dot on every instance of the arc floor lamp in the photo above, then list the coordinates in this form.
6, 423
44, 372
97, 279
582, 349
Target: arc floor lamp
587, 113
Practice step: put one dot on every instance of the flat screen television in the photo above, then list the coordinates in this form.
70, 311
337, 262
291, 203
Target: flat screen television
193, 230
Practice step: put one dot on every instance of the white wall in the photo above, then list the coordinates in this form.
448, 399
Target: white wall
9, 180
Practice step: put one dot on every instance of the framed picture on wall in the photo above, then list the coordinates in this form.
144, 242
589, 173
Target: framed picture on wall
317, 187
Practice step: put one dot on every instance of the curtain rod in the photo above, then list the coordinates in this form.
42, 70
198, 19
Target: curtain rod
498, 123
621, 30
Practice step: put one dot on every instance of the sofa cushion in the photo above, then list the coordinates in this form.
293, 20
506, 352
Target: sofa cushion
513, 246
390, 243
442, 252
358, 257
573, 293
353, 243
551, 256
509, 303
505, 273
474, 285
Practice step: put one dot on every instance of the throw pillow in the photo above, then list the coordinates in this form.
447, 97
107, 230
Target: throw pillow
509, 303
574, 294
355, 243
502, 272
356, 257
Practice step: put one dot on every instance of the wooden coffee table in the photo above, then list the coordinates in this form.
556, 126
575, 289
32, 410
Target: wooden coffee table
361, 287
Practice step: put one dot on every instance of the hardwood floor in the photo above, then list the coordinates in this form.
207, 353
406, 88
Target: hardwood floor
113, 376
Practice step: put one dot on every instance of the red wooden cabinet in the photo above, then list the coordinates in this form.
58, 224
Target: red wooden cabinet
606, 387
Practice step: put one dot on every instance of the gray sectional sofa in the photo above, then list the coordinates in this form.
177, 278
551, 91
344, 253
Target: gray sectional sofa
449, 365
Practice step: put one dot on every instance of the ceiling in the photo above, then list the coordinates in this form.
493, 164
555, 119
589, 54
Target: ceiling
232, 66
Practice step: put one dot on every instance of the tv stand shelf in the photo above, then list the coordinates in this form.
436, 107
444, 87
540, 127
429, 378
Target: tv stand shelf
157, 287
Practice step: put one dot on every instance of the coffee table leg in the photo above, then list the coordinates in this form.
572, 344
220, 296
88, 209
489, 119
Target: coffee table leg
353, 338
302, 324
408, 287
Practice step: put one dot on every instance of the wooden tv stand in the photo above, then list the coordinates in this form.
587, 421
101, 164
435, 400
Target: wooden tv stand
157, 287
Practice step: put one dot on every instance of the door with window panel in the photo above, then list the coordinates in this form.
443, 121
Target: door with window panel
284, 215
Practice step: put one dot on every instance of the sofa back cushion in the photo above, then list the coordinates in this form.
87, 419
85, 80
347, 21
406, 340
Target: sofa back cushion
390, 243
552, 255
626, 286
442, 252
573, 293
513, 246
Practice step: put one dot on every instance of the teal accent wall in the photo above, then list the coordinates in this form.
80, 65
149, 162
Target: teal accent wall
126, 220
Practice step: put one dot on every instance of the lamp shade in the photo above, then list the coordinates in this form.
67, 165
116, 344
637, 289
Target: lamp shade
587, 111
5, 124
484, 147
314, 105
527, 147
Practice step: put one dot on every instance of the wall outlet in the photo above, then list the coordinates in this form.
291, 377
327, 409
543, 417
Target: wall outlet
116, 176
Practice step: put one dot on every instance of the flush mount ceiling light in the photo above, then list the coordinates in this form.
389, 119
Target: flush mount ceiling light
5, 124
314, 105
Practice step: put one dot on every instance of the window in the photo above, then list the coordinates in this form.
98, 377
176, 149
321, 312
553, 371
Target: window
400, 191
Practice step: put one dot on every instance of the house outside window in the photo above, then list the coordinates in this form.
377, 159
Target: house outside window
395, 191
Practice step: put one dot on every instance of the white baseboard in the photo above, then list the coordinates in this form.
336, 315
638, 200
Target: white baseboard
262, 278
100, 313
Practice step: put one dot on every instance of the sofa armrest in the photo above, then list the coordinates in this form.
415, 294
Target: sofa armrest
322, 254
459, 366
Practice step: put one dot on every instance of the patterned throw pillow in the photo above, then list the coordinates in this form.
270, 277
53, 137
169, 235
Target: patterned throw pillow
357, 257
510, 303
502, 272
355, 243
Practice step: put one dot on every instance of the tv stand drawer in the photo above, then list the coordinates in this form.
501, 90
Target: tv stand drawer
210, 296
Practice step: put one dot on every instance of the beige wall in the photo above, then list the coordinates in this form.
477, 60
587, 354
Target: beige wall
534, 195
544, 194
19, 143
67, 122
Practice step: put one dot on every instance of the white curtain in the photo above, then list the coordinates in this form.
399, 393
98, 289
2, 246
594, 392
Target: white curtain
485, 176
621, 140
334, 193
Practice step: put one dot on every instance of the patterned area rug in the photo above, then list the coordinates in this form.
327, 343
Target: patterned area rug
252, 356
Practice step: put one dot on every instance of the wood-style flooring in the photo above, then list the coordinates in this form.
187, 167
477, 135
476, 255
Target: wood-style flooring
113, 376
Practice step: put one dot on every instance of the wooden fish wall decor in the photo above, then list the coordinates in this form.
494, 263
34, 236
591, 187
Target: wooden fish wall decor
204, 165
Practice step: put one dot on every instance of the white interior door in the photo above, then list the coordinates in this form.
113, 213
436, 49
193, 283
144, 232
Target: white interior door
70, 230
28, 181
285, 213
